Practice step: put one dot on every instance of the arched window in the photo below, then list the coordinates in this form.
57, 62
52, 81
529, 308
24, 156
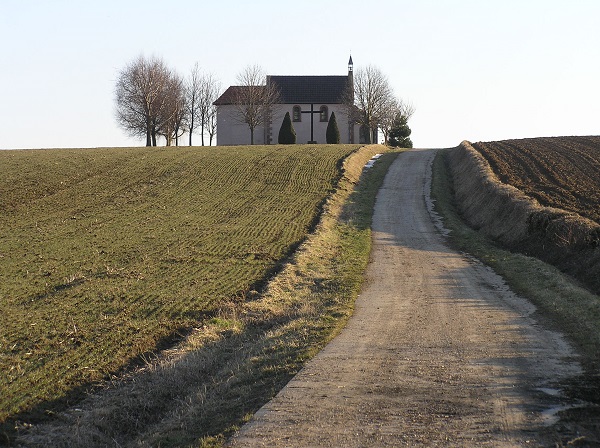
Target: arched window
296, 114
324, 113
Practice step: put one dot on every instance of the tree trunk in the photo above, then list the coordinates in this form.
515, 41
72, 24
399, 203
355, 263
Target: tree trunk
148, 131
202, 123
191, 129
251, 136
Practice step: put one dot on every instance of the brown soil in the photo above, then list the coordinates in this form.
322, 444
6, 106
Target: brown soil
560, 172
560, 231
439, 352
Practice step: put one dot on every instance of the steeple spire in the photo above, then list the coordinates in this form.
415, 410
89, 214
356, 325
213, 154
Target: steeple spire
350, 65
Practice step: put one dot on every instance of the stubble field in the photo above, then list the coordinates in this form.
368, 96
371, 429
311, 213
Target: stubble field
108, 254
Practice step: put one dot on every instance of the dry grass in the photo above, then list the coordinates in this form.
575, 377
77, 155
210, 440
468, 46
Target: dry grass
198, 393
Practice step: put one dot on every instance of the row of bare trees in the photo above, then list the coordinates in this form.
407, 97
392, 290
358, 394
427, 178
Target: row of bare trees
153, 100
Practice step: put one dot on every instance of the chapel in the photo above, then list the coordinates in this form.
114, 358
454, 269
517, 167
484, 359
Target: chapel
310, 101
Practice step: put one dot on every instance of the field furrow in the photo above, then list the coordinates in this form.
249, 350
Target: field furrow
560, 172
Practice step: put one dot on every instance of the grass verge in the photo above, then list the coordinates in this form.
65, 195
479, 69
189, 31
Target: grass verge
201, 392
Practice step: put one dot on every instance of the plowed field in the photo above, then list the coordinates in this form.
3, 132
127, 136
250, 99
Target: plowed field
561, 172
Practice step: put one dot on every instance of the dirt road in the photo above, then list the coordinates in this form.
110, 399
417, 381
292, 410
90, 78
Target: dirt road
438, 353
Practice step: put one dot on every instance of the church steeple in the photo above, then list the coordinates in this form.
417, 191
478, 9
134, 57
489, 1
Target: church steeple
351, 79
349, 98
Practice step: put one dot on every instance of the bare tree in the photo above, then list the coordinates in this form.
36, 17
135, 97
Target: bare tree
192, 93
211, 124
209, 92
180, 112
171, 123
253, 98
372, 97
141, 95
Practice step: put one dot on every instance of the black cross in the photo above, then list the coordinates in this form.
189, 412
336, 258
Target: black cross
312, 112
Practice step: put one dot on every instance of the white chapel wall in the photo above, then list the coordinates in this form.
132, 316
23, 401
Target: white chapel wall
231, 132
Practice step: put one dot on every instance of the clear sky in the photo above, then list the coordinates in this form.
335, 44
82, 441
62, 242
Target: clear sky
475, 70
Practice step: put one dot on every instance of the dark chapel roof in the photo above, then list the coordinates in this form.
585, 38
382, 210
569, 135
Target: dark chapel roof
231, 95
299, 90
311, 89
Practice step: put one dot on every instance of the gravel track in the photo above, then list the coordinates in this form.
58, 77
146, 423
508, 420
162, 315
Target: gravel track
439, 351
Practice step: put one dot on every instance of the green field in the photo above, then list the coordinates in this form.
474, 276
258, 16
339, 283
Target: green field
107, 254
